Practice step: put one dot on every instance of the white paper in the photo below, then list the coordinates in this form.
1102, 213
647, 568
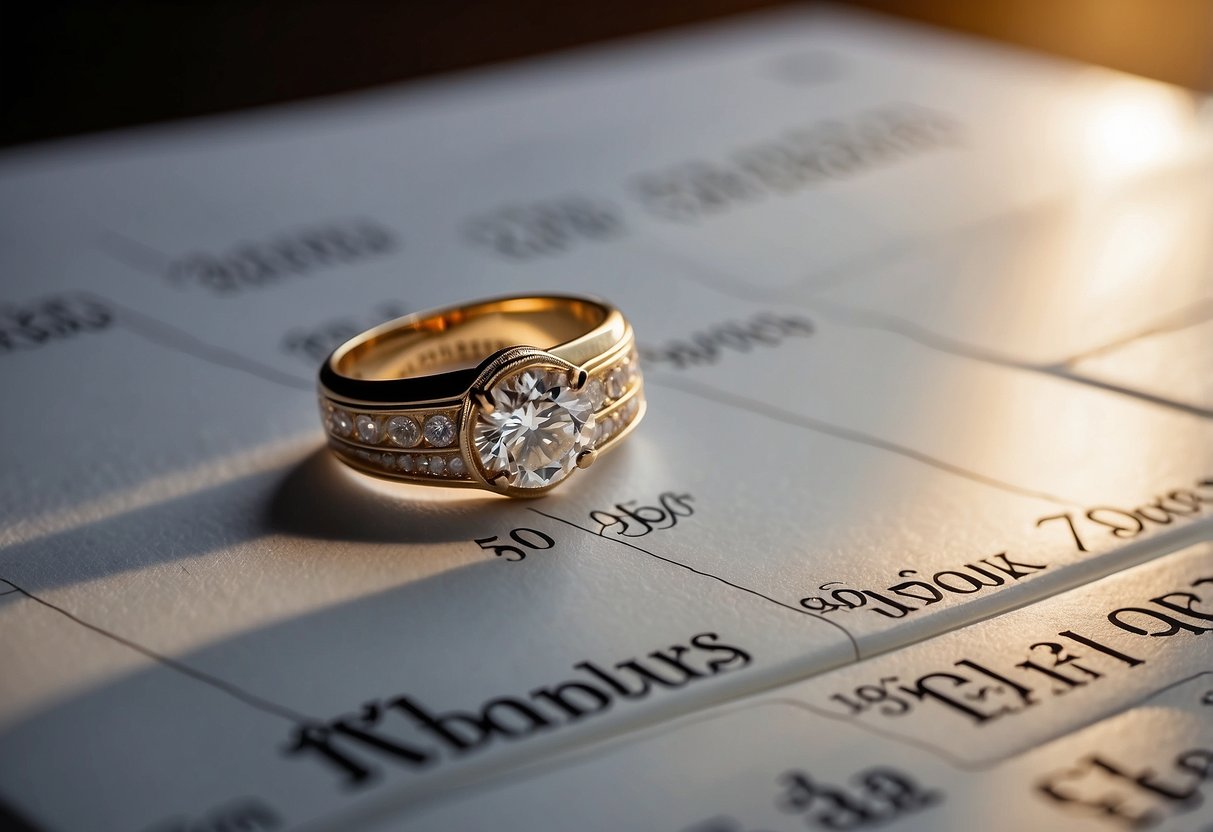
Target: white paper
923, 322
1110, 740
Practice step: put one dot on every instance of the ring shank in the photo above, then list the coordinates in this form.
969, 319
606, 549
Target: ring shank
434, 355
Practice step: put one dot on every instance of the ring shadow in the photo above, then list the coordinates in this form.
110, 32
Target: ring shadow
322, 498
315, 497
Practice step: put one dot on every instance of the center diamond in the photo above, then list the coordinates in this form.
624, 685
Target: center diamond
538, 426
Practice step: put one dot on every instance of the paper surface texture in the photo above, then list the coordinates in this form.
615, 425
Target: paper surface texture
925, 328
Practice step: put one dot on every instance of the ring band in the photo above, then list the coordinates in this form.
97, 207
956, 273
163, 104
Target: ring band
509, 394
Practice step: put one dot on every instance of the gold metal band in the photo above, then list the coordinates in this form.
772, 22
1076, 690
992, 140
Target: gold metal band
508, 394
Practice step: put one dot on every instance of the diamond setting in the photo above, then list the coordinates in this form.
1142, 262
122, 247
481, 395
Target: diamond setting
368, 429
536, 428
341, 423
439, 430
403, 431
596, 391
616, 383
525, 432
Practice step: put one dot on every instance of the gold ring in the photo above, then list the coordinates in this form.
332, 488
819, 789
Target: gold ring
509, 394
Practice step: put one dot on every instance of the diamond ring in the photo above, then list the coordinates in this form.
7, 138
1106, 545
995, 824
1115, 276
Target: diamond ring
508, 394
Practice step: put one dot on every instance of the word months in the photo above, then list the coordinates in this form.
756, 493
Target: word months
409, 734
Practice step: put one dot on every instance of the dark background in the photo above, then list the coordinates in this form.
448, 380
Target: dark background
74, 67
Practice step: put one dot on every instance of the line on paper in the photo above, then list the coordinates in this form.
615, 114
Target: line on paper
725, 581
778, 414
174, 338
1194, 410
990, 762
845, 315
726, 283
1190, 315
867, 319
215, 682
131, 252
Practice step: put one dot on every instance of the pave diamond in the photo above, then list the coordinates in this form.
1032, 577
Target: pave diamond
403, 431
341, 422
596, 392
439, 430
615, 383
368, 429
537, 428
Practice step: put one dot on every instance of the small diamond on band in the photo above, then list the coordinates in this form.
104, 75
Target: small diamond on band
341, 422
403, 431
596, 392
368, 429
439, 430
615, 383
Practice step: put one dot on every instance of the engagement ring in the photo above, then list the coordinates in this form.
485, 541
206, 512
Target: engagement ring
510, 394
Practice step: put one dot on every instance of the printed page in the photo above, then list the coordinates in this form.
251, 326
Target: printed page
1088, 711
910, 365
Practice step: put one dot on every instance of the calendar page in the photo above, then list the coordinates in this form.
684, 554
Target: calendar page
916, 528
